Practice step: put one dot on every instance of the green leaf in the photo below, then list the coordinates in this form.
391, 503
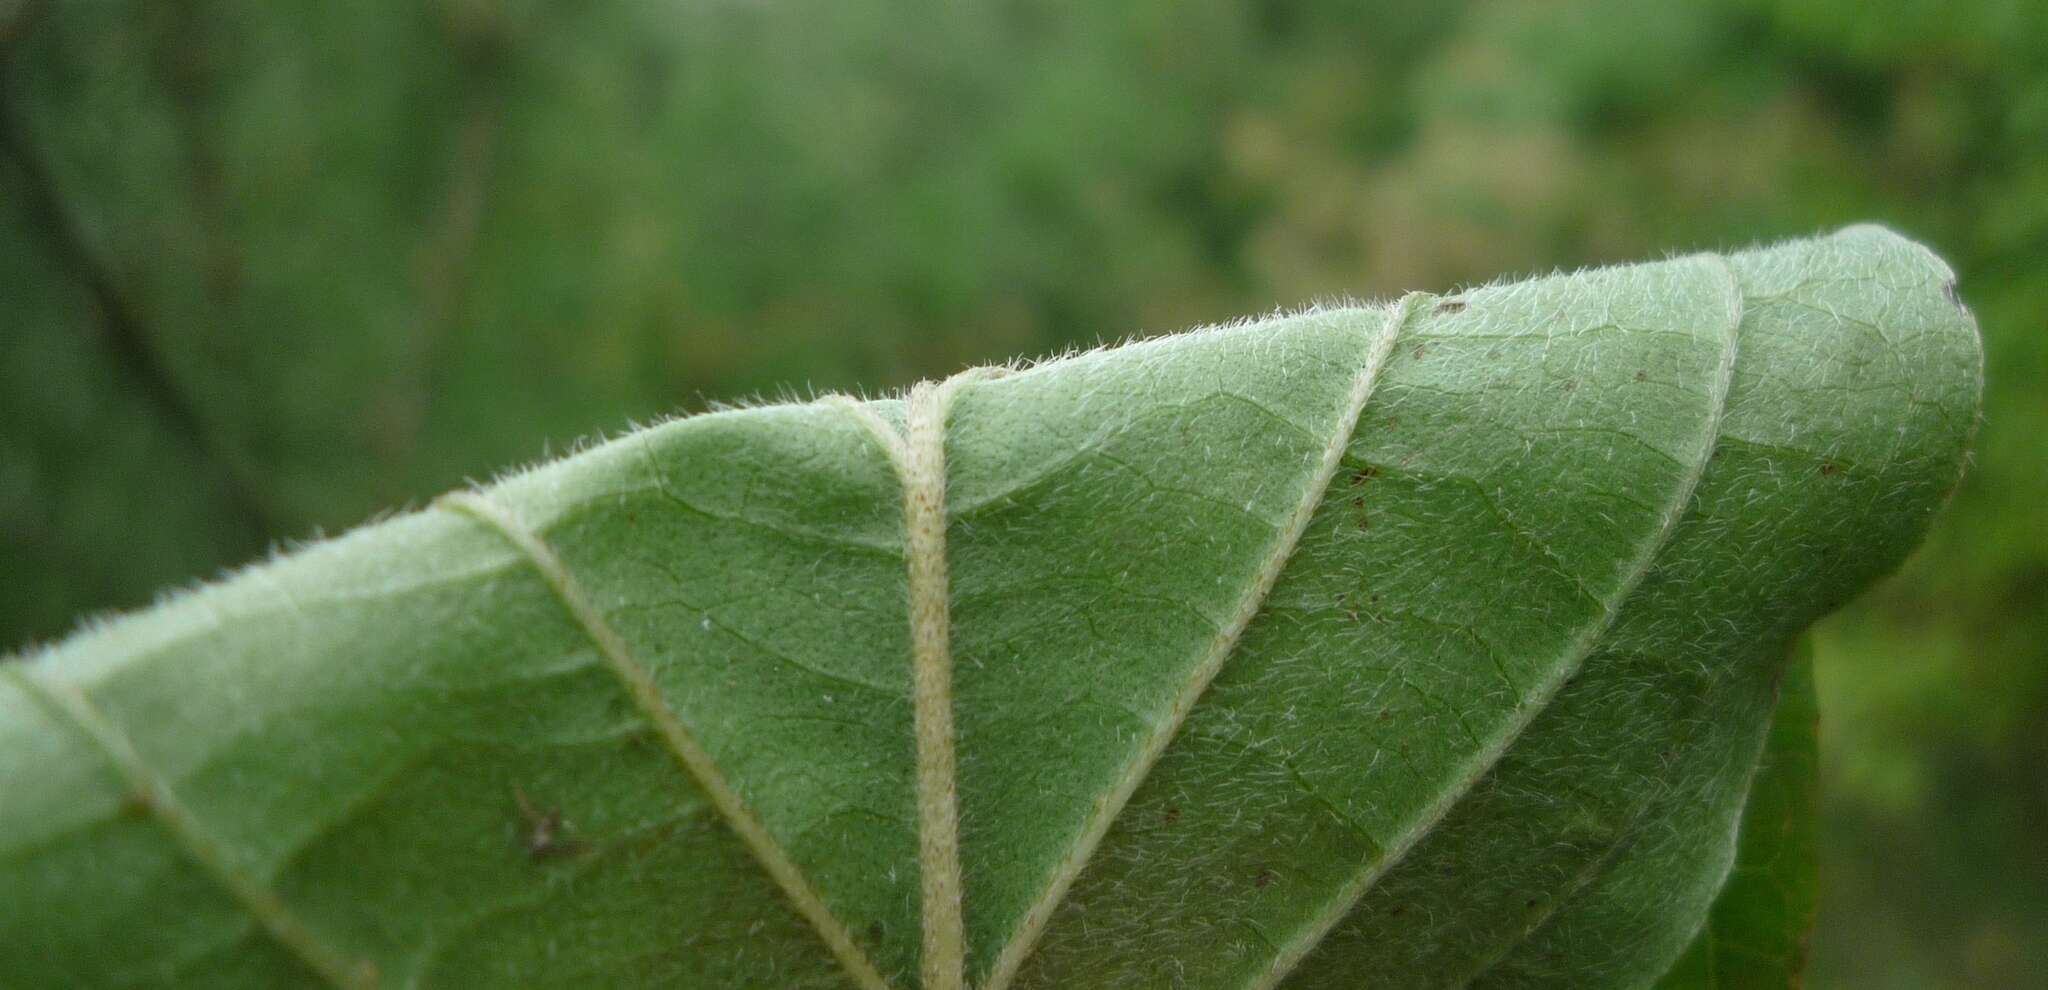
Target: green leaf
1425, 644
1756, 934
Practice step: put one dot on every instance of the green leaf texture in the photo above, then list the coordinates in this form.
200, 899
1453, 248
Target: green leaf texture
1756, 934
1428, 644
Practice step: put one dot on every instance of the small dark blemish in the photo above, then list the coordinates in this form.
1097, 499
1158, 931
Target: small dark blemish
1358, 503
544, 829
1531, 903
875, 932
1172, 815
1451, 306
134, 805
1571, 386
1418, 352
1396, 911
1716, 455
1374, 599
1364, 524
1265, 878
1827, 468
1393, 422
1642, 376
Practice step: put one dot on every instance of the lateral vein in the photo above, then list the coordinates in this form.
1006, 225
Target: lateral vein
1025, 937
1579, 883
68, 704
691, 754
884, 435
1484, 760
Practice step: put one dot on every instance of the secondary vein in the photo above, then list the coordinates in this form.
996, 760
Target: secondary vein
68, 704
1485, 759
1018, 948
1609, 857
691, 754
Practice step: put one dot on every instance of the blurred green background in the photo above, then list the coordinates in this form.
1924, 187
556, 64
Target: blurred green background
268, 267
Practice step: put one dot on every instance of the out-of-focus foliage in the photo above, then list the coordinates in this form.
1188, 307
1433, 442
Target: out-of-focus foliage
293, 261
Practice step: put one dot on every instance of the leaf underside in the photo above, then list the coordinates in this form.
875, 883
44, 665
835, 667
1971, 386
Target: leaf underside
1756, 933
1431, 644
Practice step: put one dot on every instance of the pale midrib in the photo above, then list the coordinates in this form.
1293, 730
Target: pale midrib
919, 458
1484, 760
154, 792
931, 678
1010, 961
694, 758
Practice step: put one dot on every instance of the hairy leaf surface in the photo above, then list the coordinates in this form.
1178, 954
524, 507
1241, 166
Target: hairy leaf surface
1756, 935
1427, 644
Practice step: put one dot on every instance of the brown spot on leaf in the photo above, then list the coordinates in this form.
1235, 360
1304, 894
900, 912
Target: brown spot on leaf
1265, 878
1827, 467
1451, 306
1642, 376
544, 826
1172, 815
1418, 352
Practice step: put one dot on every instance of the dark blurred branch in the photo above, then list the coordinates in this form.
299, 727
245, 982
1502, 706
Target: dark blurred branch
477, 35
121, 329
15, 24
444, 262
185, 66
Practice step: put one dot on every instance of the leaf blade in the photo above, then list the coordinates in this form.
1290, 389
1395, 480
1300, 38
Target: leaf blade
407, 737
1756, 933
1675, 720
1496, 547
